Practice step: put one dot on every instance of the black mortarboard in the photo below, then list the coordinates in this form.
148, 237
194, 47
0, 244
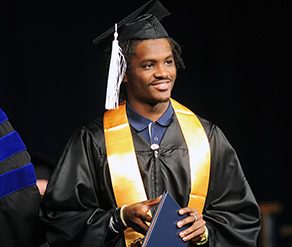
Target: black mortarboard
141, 24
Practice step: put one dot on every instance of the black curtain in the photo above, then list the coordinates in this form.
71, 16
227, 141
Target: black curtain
52, 78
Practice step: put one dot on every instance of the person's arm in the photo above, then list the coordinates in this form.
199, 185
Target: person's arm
19, 195
79, 202
231, 212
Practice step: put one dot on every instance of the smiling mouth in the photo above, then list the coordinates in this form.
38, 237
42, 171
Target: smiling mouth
161, 85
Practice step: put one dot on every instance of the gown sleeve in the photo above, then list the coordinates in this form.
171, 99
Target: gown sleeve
231, 212
78, 204
19, 195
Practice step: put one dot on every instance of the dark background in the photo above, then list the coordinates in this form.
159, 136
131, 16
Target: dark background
237, 75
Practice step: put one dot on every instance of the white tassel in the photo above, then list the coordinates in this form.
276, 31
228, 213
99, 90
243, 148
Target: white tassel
117, 70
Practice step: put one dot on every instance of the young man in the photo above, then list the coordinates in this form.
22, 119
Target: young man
114, 169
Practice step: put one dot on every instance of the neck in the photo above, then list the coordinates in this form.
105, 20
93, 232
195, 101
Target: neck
152, 112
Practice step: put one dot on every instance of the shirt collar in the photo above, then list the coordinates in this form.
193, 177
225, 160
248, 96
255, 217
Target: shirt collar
139, 122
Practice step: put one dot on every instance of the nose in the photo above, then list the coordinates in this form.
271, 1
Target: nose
161, 72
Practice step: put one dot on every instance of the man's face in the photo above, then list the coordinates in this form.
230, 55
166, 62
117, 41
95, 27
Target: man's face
152, 73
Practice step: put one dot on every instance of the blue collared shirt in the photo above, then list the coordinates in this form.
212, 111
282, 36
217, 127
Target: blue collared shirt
151, 131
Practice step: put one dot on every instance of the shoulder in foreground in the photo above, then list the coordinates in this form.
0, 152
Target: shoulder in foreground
94, 128
94, 125
207, 125
212, 130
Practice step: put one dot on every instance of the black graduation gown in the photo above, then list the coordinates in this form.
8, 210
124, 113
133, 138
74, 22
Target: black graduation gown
19, 206
79, 200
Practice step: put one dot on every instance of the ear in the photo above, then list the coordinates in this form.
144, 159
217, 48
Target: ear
125, 79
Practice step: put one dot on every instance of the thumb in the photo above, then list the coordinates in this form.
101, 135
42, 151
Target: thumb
154, 201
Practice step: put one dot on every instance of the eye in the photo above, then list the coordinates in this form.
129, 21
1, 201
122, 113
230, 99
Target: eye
169, 62
148, 66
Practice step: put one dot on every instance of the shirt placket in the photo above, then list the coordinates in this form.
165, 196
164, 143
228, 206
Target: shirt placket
155, 175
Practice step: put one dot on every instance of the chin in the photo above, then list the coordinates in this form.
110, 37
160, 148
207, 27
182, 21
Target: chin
162, 100
165, 98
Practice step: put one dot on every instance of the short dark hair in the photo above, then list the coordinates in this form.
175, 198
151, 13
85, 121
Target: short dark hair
128, 48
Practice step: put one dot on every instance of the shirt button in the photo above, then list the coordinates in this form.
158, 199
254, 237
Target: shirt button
156, 138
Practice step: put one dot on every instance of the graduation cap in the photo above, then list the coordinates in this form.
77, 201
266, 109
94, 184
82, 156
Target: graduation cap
141, 24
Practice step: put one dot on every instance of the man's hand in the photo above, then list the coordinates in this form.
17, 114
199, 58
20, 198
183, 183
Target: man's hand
197, 229
136, 216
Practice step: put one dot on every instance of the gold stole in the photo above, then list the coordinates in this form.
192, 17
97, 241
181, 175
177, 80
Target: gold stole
125, 175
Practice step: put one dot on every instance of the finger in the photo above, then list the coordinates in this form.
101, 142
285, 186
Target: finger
154, 201
187, 210
191, 219
194, 232
147, 217
140, 227
194, 236
150, 203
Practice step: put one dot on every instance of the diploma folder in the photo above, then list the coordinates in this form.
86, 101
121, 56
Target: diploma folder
163, 230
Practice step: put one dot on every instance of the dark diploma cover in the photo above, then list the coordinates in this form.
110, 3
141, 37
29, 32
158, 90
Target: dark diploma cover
163, 230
